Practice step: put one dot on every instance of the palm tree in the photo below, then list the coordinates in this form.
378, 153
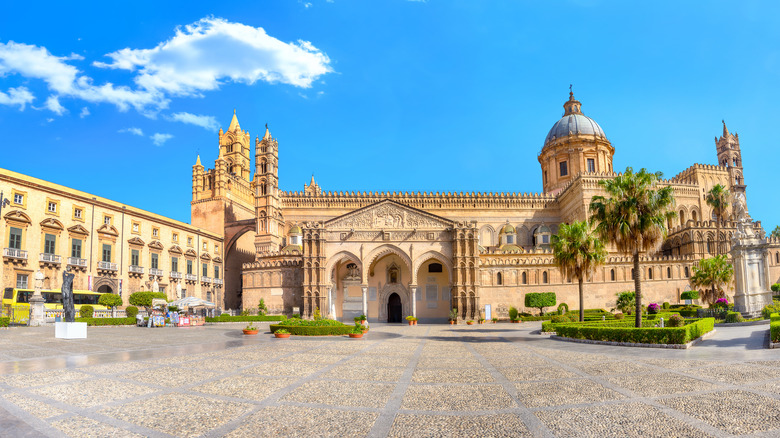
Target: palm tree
577, 253
718, 199
633, 218
714, 272
775, 234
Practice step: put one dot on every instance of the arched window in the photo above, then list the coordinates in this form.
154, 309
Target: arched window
230, 148
687, 273
525, 278
694, 216
682, 217
544, 277
435, 267
650, 273
612, 274
263, 166
777, 258
499, 280
668, 272
632, 272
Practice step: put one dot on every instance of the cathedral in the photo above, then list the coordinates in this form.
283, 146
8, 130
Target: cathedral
390, 255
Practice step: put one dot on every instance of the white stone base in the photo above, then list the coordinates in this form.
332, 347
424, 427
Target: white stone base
70, 330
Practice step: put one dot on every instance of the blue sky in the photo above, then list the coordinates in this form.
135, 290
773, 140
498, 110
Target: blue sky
117, 100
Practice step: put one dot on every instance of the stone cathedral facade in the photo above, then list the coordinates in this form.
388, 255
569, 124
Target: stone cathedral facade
389, 255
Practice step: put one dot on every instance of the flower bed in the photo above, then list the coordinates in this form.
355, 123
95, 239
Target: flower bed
246, 318
305, 327
619, 331
107, 321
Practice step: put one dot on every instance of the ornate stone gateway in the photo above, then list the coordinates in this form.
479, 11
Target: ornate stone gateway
751, 264
394, 312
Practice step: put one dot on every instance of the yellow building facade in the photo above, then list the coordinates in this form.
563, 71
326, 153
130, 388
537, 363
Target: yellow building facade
109, 246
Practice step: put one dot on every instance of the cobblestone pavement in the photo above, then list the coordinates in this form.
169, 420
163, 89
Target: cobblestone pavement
437, 380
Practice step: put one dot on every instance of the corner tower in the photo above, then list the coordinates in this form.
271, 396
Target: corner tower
730, 157
575, 144
270, 224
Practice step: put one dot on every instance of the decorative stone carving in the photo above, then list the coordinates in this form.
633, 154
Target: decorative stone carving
387, 215
750, 257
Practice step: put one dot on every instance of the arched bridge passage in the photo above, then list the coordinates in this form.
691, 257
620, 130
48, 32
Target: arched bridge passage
234, 231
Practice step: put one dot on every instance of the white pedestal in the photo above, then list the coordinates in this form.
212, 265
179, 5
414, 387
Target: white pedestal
70, 330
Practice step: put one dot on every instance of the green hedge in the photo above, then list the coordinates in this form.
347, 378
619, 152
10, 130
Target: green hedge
774, 328
775, 317
4, 321
733, 317
107, 321
300, 330
690, 295
611, 332
536, 318
246, 318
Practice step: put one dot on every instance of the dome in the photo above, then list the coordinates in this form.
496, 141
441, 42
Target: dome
574, 122
507, 229
296, 230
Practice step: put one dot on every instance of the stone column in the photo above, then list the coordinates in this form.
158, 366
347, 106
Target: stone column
330, 303
414, 301
365, 300
37, 315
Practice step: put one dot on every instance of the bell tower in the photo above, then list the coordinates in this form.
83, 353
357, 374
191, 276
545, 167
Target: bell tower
234, 149
270, 224
730, 157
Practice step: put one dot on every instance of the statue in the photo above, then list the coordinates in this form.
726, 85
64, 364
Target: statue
67, 295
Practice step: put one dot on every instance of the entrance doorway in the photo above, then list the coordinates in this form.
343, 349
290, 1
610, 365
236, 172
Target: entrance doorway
394, 308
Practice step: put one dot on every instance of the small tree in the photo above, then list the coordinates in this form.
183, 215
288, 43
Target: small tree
690, 295
577, 252
540, 300
144, 299
714, 273
112, 301
261, 309
718, 199
626, 301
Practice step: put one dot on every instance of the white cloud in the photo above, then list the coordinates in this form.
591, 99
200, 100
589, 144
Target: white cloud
204, 54
158, 139
207, 122
53, 104
84, 112
17, 96
135, 131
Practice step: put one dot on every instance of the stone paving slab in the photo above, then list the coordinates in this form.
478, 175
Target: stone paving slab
500, 425
736, 412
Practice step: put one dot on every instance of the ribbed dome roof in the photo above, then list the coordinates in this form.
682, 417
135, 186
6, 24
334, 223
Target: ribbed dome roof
507, 229
574, 122
296, 230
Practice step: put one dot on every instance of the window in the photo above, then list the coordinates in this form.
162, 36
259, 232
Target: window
18, 199
107, 253
15, 238
668, 272
544, 277
612, 274
687, 273
21, 281
525, 278
189, 241
189, 267
135, 257
175, 237
545, 177
174, 264
78, 213
216, 248
650, 273
510, 239
107, 219
564, 168
435, 267
75, 248
155, 259
52, 207
49, 243
136, 227
155, 232
591, 165
205, 269
499, 279
205, 246
545, 238
216, 271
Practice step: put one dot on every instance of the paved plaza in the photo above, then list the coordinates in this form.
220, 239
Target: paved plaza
400, 381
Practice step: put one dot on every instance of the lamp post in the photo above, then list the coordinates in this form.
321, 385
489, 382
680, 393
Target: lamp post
3, 202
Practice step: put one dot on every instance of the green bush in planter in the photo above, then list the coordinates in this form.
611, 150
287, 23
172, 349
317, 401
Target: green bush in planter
131, 311
540, 300
86, 311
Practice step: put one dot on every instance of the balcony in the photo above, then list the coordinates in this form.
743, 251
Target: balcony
205, 279
75, 261
175, 274
107, 266
134, 269
218, 281
50, 258
156, 272
190, 277
13, 253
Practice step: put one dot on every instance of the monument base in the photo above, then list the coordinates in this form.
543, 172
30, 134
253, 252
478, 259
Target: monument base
70, 330
37, 311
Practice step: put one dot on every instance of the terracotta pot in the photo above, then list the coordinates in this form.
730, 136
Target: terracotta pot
453, 322
356, 335
282, 335
515, 321
414, 322
250, 332
470, 322
411, 322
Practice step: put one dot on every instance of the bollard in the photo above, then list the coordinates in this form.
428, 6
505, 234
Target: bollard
603, 318
662, 322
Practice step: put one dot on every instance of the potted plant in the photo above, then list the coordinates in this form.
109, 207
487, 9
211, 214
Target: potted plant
495, 320
282, 333
481, 320
360, 319
453, 316
470, 322
412, 320
356, 332
515, 320
250, 329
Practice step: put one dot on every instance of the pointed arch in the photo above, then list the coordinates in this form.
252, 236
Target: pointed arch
338, 257
436, 255
382, 251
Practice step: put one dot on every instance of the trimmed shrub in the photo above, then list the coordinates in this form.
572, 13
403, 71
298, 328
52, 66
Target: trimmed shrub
612, 332
665, 305
86, 311
619, 315
675, 321
261, 309
144, 299
689, 311
653, 308
774, 331
776, 287
767, 311
246, 318
690, 295
131, 311
540, 300
535, 318
775, 317
321, 327
107, 321
733, 317
556, 319
110, 300
512, 313
4, 321
563, 308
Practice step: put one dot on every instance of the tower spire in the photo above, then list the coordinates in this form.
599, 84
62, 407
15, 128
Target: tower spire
234, 126
725, 129
197, 162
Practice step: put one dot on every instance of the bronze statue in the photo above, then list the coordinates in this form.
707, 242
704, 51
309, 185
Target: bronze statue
67, 295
